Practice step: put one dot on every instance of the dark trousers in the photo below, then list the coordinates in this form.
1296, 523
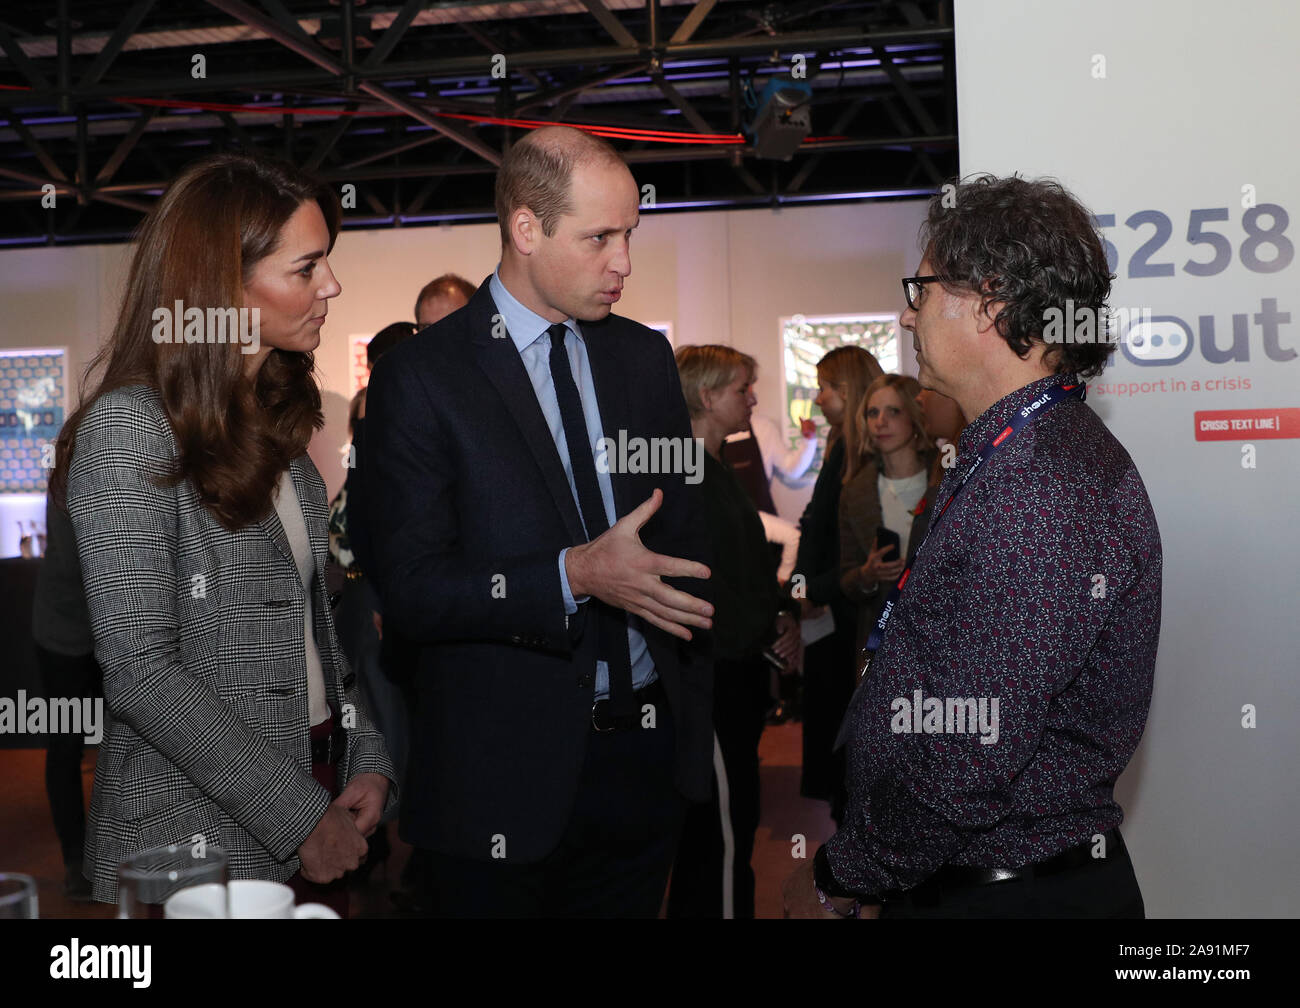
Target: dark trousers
67, 676
712, 876
1104, 889
613, 858
828, 680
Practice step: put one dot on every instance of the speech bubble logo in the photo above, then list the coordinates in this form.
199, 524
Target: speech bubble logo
1157, 341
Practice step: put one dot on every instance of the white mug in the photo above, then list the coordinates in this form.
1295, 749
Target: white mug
249, 899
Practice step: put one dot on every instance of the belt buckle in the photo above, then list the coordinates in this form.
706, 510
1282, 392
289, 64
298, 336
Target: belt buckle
595, 714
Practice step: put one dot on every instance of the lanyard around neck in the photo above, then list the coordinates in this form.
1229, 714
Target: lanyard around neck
1022, 416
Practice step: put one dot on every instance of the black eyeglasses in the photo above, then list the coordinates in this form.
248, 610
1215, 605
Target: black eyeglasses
912, 288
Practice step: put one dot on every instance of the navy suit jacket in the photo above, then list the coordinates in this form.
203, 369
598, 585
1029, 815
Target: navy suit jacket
470, 509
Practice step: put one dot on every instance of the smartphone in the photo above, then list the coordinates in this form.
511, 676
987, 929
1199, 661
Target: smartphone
889, 538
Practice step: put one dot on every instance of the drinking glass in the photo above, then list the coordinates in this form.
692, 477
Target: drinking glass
147, 879
18, 897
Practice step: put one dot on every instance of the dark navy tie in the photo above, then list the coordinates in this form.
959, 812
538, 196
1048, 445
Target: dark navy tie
612, 646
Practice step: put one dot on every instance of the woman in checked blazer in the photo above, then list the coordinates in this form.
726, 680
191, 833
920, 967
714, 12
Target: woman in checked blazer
201, 528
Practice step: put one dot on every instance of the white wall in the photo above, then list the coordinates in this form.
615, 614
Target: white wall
1196, 102
717, 276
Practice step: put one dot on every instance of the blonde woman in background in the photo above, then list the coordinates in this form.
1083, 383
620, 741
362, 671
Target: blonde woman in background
712, 876
886, 486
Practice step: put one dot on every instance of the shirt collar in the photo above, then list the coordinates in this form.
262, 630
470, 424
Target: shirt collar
993, 419
523, 324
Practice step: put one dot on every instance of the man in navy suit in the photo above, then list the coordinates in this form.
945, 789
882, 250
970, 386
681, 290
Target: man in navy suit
564, 682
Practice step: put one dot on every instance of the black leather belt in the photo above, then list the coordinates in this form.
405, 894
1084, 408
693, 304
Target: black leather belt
962, 876
331, 749
602, 721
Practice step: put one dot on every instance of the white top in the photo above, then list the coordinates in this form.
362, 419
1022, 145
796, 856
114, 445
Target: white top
898, 499
289, 509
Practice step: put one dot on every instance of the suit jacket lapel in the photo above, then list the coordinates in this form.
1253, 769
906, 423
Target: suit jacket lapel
315, 517
503, 366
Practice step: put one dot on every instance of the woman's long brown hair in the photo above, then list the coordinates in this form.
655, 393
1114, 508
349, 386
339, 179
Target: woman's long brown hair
199, 245
850, 369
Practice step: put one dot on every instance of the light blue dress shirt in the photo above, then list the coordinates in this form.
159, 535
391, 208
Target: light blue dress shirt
528, 332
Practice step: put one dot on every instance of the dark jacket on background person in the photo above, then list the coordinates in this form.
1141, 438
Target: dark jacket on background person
746, 596
359, 534
818, 560
828, 670
60, 620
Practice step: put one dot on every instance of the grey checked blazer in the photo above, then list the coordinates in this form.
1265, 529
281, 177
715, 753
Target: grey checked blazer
199, 632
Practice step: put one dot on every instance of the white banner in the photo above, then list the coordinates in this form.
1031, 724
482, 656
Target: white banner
1174, 122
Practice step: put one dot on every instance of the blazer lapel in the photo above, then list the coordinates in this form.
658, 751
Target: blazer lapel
503, 366
309, 486
274, 530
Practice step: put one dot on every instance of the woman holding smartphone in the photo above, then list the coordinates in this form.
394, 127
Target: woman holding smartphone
885, 503
201, 530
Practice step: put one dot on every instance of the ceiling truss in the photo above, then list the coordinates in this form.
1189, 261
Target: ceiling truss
414, 104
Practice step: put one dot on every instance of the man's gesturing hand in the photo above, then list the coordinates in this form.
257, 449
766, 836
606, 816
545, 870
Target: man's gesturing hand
621, 572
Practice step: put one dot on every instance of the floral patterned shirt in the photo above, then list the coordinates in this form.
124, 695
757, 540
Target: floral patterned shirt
1014, 679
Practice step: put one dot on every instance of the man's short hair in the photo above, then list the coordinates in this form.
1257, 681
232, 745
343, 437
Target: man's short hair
447, 285
1030, 245
537, 170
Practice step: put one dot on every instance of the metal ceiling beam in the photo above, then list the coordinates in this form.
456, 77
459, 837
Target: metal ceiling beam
34, 145
64, 188
904, 89
678, 153
683, 106
124, 147
115, 43
612, 25
923, 159
811, 165
494, 47
575, 89
687, 29
237, 131
309, 50
462, 66
330, 137
388, 41
20, 60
